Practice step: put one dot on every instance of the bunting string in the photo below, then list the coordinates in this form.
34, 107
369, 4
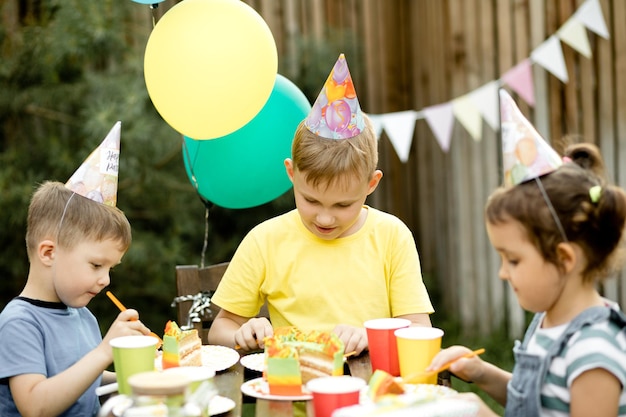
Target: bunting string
482, 103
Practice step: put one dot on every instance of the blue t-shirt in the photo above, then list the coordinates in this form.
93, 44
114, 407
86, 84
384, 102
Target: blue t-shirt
38, 337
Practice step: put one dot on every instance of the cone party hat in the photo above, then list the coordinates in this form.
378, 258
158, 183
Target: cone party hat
336, 113
96, 178
525, 154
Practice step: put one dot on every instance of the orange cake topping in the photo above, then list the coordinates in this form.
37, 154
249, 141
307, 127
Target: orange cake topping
181, 347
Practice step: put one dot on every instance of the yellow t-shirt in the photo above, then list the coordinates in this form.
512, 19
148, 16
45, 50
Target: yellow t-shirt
315, 284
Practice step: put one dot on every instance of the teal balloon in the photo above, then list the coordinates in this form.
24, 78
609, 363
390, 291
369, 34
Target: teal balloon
246, 168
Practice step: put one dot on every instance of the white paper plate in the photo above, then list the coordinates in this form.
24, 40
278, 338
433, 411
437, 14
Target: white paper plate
219, 405
255, 361
258, 388
216, 357
448, 407
414, 392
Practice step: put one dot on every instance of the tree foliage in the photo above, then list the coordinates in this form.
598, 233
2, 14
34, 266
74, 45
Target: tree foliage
69, 69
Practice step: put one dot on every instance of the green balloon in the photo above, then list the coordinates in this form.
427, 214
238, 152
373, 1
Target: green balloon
245, 168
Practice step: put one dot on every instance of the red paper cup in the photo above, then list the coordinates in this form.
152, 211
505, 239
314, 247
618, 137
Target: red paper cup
333, 392
382, 343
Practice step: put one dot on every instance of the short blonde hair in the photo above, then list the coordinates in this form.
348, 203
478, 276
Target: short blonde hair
83, 219
328, 161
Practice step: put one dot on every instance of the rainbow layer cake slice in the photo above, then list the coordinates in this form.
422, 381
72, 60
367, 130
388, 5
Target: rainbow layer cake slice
295, 357
181, 347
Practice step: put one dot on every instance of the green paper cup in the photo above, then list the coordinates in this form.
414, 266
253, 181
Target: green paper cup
202, 389
132, 355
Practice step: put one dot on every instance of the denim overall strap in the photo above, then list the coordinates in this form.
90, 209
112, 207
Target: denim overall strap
522, 398
524, 390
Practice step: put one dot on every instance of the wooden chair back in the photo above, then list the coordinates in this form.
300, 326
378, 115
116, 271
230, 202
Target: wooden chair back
191, 280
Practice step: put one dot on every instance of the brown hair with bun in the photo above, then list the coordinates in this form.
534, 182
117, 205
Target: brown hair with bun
596, 226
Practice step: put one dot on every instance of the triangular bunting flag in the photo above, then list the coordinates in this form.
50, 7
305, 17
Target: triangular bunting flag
479, 104
590, 15
400, 127
486, 100
520, 79
468, 115
440, 118
377, 123
574, 34
550, 56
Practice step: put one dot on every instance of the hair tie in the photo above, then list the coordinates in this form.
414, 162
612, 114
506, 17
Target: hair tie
594, 193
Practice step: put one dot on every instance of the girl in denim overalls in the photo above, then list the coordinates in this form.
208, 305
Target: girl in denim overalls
558, 236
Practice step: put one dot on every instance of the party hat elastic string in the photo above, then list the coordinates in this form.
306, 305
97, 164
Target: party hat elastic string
67, 203
551, 208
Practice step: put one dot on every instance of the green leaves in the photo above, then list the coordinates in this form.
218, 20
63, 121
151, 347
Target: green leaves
68, 71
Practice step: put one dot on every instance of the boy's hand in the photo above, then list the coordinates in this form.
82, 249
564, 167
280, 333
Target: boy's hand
126, 324
251, 334
354, 338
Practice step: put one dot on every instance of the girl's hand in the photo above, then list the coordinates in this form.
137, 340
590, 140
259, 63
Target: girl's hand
469, 369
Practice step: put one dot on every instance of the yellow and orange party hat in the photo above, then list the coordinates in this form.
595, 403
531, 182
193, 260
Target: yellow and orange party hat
336, 113
525, 154
96, 178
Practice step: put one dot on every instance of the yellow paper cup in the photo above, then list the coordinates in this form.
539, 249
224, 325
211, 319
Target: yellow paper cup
132, 355
417, 346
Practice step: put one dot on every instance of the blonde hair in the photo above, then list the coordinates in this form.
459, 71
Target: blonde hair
330, 161
56, 213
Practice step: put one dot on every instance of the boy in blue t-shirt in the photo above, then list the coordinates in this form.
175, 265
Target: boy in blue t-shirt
53, 355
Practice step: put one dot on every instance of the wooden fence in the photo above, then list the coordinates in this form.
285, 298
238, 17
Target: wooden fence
410, 54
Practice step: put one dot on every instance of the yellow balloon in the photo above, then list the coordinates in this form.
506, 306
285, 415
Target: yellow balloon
210, 66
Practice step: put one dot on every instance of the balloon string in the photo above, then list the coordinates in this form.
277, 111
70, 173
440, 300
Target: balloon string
191, 164
153, 7
206, 235
207, 203
207, 206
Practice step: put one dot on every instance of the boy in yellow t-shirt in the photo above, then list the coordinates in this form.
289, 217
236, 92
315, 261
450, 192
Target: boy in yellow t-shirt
333, 262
